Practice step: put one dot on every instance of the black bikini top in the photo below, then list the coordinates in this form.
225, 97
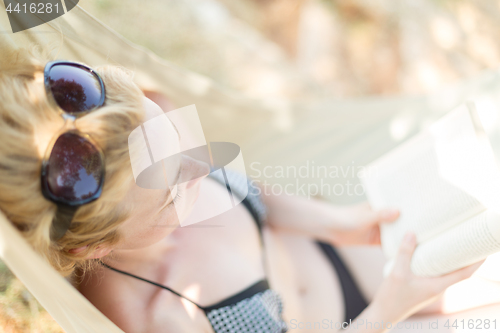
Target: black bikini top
257, 309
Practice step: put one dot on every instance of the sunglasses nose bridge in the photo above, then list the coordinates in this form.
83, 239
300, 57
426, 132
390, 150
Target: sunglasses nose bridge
68, 125
68, 117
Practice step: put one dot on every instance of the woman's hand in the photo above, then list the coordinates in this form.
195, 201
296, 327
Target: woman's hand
402, 293
340, 225
359, 224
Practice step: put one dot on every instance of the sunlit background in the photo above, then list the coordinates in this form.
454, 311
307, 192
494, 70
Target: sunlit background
315, 48
296, 49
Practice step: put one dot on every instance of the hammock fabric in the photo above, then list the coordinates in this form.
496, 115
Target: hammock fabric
275, 133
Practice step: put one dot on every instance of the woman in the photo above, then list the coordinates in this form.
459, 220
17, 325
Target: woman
67, 184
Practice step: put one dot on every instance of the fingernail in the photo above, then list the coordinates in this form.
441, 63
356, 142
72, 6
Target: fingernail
408, 237
390, 213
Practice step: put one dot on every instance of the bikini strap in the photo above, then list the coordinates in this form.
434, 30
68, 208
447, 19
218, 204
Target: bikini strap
151, 282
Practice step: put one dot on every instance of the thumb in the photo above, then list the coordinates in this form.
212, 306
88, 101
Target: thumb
388, 215
406, 250
379, 216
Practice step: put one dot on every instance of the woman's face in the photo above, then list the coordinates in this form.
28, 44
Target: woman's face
155, 213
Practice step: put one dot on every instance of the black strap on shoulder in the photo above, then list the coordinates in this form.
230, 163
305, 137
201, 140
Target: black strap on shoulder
151, 282
246, 202
251, 209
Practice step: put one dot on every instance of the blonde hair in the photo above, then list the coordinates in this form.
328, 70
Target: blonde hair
25, 114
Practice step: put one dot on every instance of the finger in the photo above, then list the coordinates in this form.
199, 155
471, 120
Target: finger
388, 215
370, 216
406, 250
374, 236
460, 274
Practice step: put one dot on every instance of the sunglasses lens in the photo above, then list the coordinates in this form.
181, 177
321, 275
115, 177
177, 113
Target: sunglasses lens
75, 169
75, 89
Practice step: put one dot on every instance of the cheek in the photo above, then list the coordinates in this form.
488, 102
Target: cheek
168, 219
152, 229
157, 234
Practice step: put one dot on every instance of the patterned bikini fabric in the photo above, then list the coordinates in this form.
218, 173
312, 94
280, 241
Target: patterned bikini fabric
260, 313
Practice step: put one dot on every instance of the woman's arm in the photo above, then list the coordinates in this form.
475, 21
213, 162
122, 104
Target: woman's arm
340, 225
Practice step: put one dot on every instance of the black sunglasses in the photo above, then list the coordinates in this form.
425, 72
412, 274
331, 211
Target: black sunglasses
73, 166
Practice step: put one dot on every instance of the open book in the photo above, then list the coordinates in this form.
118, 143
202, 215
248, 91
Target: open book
446, 183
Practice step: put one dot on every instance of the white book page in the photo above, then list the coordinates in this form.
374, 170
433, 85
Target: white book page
437, 179
462, 245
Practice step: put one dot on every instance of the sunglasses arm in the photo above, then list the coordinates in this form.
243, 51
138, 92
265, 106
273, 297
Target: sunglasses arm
62, 221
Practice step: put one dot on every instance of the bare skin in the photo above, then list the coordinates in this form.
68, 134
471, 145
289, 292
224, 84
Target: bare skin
140, 307
222, 261
213, 263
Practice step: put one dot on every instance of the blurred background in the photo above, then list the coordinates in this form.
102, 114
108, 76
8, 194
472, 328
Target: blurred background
296, 49
315, 48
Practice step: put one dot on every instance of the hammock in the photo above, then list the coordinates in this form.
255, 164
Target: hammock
274, 133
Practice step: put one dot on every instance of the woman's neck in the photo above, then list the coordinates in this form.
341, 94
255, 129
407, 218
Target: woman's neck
136, 258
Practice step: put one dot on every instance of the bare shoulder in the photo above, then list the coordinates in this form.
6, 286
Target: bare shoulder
112, 295
139, 307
